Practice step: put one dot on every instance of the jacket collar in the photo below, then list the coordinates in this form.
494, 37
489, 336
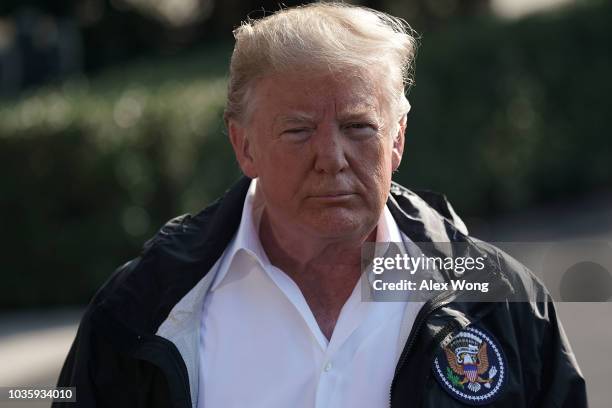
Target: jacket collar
186, 248
142, 293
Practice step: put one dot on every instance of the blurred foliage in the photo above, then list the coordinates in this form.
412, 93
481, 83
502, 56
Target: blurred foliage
504, 116
427, 16
118, 31
510, 115
89, 35
91, 169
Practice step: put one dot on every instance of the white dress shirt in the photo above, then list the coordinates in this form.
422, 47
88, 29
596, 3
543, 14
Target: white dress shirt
260, 345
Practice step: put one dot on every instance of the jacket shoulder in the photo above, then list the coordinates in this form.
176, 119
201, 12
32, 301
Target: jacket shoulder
427, 200
525, 284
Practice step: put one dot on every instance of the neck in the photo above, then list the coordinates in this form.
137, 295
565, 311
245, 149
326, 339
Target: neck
325, 271
296, 253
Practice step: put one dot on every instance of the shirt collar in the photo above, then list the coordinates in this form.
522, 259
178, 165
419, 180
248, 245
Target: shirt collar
246, 241
387, 230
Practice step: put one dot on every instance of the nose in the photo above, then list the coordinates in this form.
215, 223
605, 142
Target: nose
329, 149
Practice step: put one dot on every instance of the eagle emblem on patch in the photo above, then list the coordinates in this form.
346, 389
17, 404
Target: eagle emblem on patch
471, 367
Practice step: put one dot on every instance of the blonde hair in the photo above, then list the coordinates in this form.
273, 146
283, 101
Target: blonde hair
321, 36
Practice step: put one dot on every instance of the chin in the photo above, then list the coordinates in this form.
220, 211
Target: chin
341, 223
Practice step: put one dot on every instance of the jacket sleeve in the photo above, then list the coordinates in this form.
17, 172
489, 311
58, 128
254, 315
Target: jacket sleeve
93, 366
563, 385
77, 368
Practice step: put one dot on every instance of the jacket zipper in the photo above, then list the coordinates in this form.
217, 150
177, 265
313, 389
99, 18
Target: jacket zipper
424, 313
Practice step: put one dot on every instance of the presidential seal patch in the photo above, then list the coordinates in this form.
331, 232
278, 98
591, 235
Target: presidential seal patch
471, 367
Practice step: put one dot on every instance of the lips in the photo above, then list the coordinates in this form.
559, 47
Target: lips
333, 197
332, 194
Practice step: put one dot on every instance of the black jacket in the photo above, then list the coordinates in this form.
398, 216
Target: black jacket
117, 360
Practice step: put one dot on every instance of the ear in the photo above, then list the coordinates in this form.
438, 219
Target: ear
242, 148
398, 143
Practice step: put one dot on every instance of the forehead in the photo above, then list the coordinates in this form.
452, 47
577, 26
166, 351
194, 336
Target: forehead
304, 95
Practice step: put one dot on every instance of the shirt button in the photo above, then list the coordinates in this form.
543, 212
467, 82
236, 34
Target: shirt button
328, 367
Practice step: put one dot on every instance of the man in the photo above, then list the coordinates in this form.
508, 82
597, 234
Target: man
256, 301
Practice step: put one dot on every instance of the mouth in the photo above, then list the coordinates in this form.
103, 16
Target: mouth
333, 196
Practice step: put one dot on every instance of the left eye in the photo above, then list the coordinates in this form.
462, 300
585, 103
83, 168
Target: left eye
361, 130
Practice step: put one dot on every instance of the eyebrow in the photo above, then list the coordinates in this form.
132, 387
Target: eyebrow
297, 117
358, 115
355, 112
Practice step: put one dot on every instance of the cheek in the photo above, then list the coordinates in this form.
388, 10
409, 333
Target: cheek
282, 172
374, 163
287, 163
373, 167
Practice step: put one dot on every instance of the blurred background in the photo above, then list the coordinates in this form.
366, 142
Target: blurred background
111, 123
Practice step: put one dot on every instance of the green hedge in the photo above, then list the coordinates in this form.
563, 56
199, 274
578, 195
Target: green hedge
504, 115
510, 115
93, 169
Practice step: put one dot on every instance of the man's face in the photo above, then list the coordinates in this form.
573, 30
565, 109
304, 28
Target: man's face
323, 148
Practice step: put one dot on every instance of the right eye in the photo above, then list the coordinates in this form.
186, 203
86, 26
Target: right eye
296, 134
